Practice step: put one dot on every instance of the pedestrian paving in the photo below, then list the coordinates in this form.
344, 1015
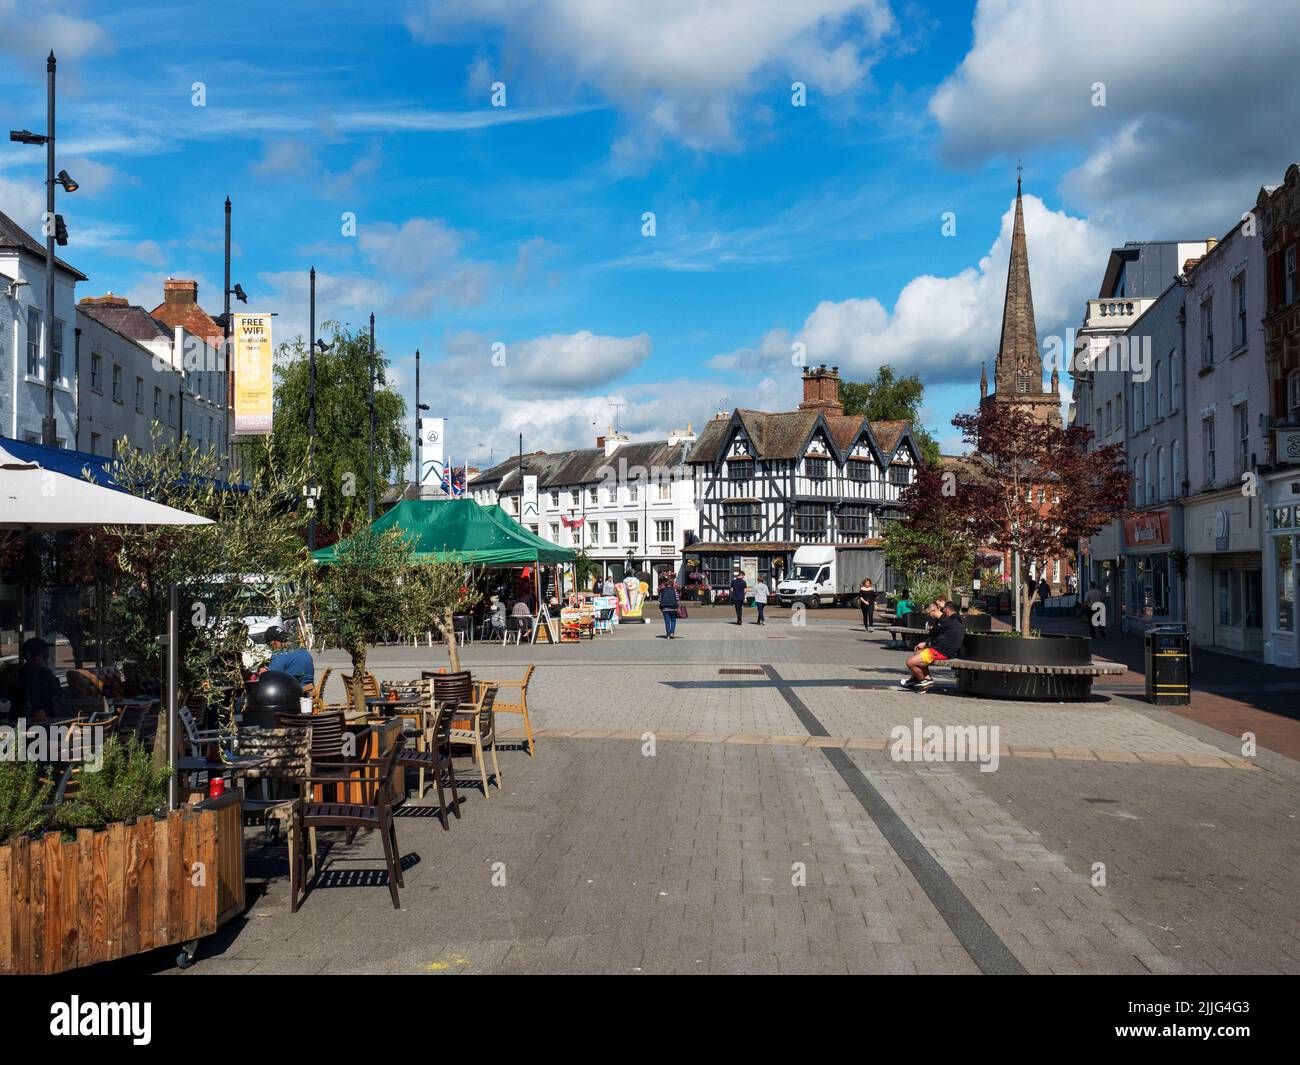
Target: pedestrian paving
678, 819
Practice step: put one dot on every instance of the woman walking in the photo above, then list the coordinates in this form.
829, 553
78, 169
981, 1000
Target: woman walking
761, 595
668, 607
867, 601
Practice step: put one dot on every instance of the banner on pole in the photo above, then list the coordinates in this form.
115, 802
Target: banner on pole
254, 380
433, 432
528, 513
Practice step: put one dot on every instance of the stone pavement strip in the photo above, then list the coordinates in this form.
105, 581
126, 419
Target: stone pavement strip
765, 825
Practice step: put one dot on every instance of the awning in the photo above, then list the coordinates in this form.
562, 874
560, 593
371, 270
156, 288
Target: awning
485, 536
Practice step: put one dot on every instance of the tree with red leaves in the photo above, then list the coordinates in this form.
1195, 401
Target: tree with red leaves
935, 535
1035, 488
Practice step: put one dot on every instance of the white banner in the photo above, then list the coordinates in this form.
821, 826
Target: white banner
528, 513
432, 431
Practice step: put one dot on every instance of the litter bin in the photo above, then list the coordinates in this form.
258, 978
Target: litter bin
1167, 660
274, 693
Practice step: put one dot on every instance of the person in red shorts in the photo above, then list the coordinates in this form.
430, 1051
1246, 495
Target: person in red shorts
942, 643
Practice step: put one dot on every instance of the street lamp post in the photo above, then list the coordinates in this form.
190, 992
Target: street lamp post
310, 491
371, 505
54, 230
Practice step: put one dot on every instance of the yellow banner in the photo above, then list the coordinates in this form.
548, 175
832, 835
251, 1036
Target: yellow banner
253, 376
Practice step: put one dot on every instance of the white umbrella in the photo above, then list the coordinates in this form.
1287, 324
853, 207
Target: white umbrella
32, 497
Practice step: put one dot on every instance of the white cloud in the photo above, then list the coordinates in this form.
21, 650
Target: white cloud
943, 327
1195, 97
682, 68
556, 363
33, 30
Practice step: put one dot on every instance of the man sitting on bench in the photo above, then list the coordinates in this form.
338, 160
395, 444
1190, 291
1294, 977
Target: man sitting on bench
942, 643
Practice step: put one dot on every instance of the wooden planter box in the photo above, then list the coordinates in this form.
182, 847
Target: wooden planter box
123, 890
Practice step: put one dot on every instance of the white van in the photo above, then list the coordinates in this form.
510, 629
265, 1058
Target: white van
823, 576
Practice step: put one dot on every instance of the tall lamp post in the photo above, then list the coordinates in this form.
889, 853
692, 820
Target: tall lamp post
240, 295
419, 433
371, 504
310, 490
54, 230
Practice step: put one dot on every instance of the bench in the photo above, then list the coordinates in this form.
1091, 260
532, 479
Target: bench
897, 632
1027, 681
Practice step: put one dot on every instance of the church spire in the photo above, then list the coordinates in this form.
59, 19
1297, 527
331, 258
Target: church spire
984, 380
1018, 353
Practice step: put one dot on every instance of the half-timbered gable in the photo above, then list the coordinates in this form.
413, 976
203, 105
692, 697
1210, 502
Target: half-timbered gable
767, 483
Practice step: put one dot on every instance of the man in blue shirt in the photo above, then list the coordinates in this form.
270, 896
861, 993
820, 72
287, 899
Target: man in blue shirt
297, 662
738, 595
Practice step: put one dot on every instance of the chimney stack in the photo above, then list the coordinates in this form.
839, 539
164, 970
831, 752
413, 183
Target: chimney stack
821, 390
180, 292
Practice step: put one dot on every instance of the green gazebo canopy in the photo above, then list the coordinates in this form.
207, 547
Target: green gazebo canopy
486, 536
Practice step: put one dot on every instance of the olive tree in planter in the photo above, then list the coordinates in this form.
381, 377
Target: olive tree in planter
1034, 488
441, 589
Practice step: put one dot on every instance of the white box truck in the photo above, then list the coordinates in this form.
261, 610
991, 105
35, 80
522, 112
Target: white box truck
824, 576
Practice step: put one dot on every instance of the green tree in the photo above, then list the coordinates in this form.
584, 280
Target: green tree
366, 594
253, 551
934, 539
441, 589
891, 398
340, 454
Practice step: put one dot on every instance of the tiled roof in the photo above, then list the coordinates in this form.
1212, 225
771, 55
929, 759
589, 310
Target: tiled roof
132, 322
12, 235
584, 466
784, 435
190, 317
888, 434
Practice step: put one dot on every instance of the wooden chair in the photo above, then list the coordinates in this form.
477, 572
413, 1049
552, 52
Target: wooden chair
436, 759
520, 707
374, 811
480, 735
318, 695
450, 688
369, 686
281, 783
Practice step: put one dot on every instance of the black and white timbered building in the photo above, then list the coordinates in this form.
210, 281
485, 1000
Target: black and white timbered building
767, 484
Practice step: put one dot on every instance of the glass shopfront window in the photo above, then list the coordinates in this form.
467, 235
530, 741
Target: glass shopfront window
1285, 554
1148, 586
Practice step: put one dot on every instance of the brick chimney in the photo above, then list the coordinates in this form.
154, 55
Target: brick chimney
179, 292
108, 300
821, 390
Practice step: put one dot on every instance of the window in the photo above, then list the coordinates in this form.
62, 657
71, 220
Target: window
1285, 584
575, 497
33, 342
171, 411
1207, 333
157, 404
594, 529
555, 532
859, 470
1137, 482
611, 528
555, 499
633, 531
1022, 383
717, 570
664, 532
94, 443
900, 475
56, 363
591, 496
810, 520
816, 469
117, 384
1162, 475
665, 489
1160, 388
611, 494
96, 373
1291, 285
740, 471
1176, 449
1241, 419
1175, 384
1293, 395
1110, 416
854, 520
740, 519
211, 439
1207, 435
139, 393
1239, 311
632, 491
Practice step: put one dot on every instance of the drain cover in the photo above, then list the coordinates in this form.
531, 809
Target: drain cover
746, 672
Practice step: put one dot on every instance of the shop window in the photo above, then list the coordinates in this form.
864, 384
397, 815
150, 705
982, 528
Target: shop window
1285, 583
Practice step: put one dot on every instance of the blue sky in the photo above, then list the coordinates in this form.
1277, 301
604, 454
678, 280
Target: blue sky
522, 224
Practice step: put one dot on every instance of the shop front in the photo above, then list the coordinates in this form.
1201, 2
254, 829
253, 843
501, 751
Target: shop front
1102, 567
1225, 572
1151, 584
1281, 556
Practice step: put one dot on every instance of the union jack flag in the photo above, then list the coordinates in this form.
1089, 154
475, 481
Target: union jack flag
453, 481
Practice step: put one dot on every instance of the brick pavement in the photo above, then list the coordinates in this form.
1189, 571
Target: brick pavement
682, 861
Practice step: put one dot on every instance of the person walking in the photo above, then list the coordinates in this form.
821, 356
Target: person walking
867, 601
738, 595
761, 595
1094, 607
668, 607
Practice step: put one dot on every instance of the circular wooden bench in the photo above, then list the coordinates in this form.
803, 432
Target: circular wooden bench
1011, 681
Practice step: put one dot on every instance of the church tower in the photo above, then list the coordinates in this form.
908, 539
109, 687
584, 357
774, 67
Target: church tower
1018, 371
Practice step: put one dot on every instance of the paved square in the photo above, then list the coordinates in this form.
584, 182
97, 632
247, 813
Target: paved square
681, 819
